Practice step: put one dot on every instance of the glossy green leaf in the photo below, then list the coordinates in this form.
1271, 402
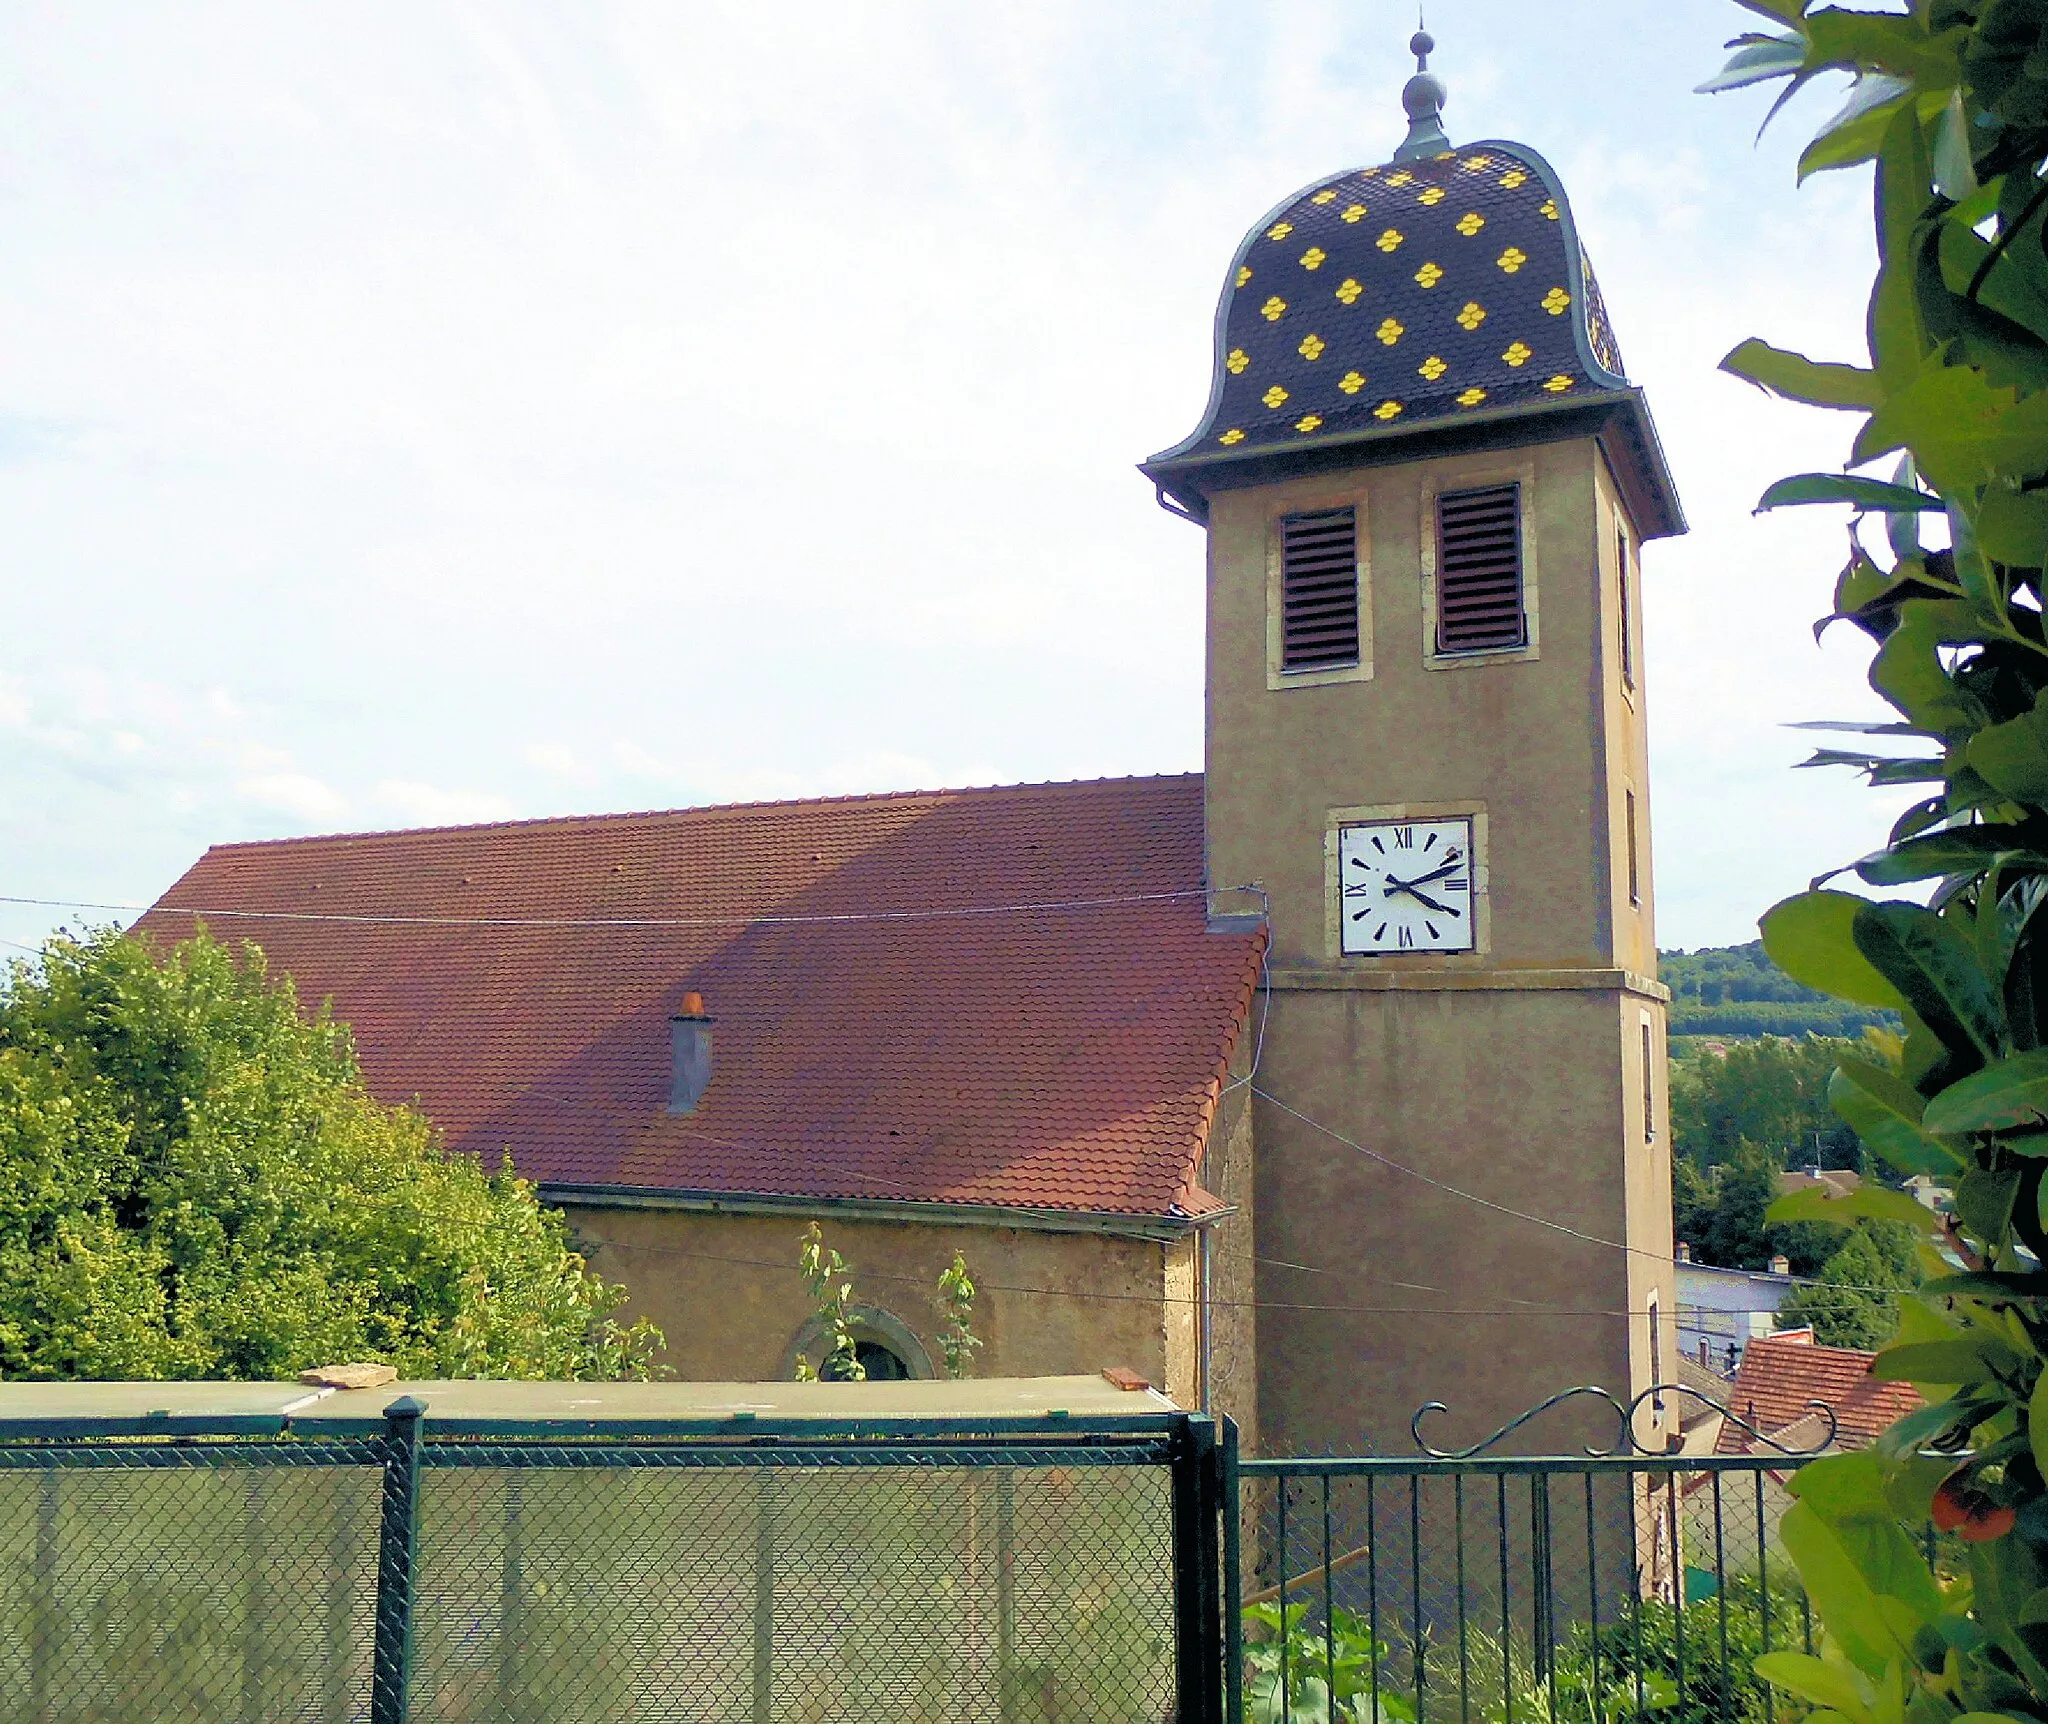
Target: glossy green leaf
1754, 62
1797, 378
1983, 1202
1962, 430
2013, 757
1908, 669
1884, 1112
1954, 850
1972, 1359
2009, 1092
1820, 1680
1812, 939
1868, 1202
1835, 1583
1845, 488
2012, 526
1932, 966
1856, 133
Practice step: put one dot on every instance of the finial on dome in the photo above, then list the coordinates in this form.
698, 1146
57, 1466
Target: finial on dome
1423, 97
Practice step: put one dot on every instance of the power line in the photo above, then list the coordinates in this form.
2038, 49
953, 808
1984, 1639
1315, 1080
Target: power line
570, 922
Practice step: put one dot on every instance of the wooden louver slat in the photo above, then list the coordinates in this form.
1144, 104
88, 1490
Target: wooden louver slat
1479, 570
1319, 589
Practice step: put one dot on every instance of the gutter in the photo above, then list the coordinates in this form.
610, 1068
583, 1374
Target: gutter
1163, 1229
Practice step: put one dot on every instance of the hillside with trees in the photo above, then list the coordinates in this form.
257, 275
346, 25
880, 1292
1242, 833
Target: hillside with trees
1736, 991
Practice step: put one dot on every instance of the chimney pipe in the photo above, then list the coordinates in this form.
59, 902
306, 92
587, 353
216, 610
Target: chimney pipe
1781, 1265
1684, 1251
689, 1046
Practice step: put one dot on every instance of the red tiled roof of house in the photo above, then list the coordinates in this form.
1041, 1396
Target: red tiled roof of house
890, 1025
1781, 1375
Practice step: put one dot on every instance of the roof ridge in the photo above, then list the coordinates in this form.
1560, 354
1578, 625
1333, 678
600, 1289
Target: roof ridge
849, 799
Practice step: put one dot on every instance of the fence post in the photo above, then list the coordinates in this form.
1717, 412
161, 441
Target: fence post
1198, 1630
44, 1635
764, 1594
1233, 1579
397, 1564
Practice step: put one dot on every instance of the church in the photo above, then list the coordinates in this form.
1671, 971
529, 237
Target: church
1312, 1088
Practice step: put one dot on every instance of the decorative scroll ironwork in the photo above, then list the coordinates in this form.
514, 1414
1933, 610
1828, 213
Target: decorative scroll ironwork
1625, 1441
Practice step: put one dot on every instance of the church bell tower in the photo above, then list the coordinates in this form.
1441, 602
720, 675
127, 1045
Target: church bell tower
1425, 480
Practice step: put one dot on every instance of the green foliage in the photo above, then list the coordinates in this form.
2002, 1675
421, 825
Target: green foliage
1950, 102
954, 1303
194, 1183
1736, 991
1328, 1676
1772, 1093
1843, 1310
824, 1272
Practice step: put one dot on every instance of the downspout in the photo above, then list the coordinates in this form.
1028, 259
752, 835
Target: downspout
1204, 1320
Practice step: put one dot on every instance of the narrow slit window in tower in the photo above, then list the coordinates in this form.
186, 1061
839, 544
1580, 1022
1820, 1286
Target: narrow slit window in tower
1635, 876
1319, 590
1479, 571
1649, 1086
1627, 609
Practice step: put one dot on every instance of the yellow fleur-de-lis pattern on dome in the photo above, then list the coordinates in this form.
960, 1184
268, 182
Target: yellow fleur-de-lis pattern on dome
1286, 375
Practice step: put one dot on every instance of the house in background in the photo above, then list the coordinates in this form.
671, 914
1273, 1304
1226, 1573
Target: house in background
1315, 1087
1720, 1311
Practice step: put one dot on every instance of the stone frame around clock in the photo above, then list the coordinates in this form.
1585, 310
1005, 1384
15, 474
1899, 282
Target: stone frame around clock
1336, 819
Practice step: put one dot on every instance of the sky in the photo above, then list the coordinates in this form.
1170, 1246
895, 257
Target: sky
436, 412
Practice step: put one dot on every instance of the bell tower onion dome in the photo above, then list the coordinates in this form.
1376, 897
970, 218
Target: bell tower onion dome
1443, 292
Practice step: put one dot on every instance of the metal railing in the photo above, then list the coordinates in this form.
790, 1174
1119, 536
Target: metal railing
1509, 1590
1051, 1569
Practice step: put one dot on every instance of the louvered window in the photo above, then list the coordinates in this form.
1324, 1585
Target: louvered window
1319, 590
1479, 570
1627, 608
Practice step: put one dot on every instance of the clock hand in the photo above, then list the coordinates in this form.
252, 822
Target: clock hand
1424, 879
1422, 898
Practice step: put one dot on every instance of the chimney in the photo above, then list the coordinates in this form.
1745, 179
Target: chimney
689, 1045
1684, 1252
1781, 1264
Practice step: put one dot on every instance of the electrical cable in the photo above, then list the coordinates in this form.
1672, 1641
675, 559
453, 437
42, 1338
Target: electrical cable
586, 922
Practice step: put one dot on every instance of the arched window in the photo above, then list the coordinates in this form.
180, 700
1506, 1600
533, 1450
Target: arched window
885, 1345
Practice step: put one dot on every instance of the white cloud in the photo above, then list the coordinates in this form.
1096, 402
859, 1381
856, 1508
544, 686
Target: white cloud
431, 805
553, 758
294, 793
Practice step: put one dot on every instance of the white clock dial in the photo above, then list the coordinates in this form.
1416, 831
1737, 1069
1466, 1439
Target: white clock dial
1407, 886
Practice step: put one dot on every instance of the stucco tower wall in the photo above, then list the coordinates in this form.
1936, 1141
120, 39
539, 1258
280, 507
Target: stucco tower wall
1517, 1071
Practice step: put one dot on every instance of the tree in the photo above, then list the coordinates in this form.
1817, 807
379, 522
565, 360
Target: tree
1950, 101
1843, 1309
195, 1183
1772, 1091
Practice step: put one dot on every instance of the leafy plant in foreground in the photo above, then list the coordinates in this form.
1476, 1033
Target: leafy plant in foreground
1949, 100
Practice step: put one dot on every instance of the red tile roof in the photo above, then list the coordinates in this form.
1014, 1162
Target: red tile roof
1780, 1374
1002, 996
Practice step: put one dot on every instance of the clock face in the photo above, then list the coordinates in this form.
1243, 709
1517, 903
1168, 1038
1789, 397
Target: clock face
1407, 886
